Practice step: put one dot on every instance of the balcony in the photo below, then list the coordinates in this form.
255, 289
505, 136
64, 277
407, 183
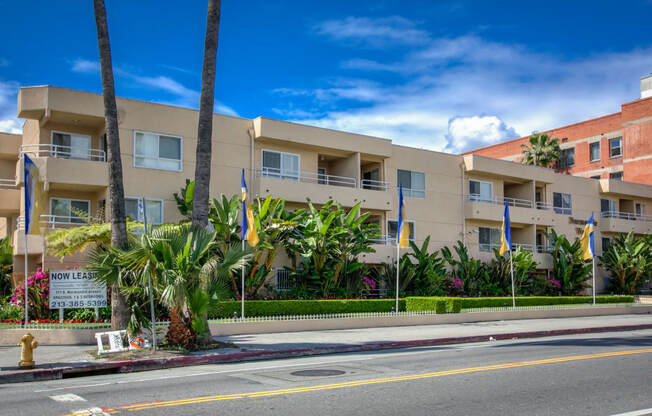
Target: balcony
478, 207
625, 222
320, 188
68, 168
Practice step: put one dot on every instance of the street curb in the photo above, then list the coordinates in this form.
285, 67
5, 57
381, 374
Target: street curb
172, 362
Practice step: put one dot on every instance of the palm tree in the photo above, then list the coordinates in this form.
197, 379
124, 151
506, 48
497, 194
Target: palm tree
119, 312
205, 126
542, 150
188, 274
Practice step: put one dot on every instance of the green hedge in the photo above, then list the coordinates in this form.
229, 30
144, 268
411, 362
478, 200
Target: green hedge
439, 304
305, 307
413, 304
468, 303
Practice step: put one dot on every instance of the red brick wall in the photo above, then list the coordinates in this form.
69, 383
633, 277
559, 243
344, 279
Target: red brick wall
637, 142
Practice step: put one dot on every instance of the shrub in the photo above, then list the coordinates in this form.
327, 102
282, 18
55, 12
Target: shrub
629, 263
467, 303
37, 295
10, 311
227, 309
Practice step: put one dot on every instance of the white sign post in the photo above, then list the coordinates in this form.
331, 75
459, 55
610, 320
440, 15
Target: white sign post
76, 289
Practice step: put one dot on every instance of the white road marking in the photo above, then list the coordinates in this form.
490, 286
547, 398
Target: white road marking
641, 412
67, 398
93, 411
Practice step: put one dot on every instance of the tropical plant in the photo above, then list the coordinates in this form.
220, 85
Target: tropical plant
473, 273
6, 266
274, 225
38, 293
328, 241
430, 271
569, 267
385, 275
541, 150
525, 267
203, 153
119, 240
68, 241
187, 275
184, 200
629, 263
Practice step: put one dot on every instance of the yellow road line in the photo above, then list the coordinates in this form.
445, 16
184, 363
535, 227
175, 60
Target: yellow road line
268, 393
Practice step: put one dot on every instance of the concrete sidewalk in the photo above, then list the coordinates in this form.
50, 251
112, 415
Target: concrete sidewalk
60, 361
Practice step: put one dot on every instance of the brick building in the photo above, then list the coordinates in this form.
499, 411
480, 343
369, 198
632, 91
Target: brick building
616, 146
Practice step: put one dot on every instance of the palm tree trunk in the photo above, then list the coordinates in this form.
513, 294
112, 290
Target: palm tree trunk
205, 127
119, 311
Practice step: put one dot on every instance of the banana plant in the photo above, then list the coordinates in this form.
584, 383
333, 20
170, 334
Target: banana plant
629, 262
569, 266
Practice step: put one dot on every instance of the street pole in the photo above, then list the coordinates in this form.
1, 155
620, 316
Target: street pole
151, 291
242, 297
398, 248
511, 266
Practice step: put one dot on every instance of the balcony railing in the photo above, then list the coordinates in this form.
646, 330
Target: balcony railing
523, 247
544, 248
625, 216
386, 240
488, 247
63, 152
374, 185
7, 183
551, 207
512, 202
55, 221
308, 177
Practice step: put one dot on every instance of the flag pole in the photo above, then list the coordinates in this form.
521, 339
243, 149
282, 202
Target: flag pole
151, 290
593, 267
26, 271
242, 297
511, 266
398, 249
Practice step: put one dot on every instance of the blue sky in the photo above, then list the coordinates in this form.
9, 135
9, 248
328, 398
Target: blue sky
434, 74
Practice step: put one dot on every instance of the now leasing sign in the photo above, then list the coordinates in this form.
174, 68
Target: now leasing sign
76, 289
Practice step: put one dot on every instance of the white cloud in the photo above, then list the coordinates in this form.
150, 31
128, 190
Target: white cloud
476, 131
8, 121
182, 96
502, 90
85, 66
374, 31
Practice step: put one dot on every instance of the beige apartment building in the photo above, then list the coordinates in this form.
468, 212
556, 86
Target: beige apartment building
447, 197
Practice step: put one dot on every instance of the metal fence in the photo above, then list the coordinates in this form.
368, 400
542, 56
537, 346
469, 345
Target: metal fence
67, 325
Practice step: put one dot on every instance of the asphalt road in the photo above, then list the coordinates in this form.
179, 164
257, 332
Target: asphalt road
602, 374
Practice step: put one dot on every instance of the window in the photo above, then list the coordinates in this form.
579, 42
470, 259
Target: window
615, 147
608, 205
488, 238
322, 177
371, 180
481, 191
640, 209
594, 151
65, 210
595, 177
414, 183
392, 225
154, 209
567, 158
280, 165
71, 146
282, 279
616, 175
562, 203
157, 151
606, 243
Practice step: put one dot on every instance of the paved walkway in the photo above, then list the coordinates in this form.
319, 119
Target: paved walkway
59, 356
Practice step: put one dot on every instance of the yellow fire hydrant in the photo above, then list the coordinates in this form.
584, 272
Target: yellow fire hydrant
28, 344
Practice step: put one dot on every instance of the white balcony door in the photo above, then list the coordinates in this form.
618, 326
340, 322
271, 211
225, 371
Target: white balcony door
481, 191
80, 147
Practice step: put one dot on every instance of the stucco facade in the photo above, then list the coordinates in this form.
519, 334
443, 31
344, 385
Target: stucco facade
448, 197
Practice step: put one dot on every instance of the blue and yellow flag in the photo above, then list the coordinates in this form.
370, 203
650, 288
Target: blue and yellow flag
505, 232
248, 223
403, 230
33, 197
586, 241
